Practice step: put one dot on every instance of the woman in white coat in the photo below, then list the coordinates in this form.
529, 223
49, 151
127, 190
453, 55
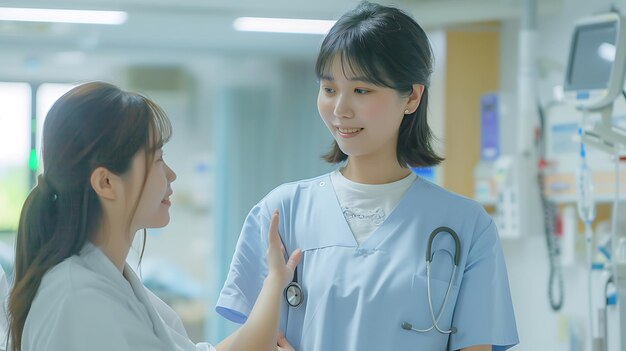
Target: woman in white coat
104, 180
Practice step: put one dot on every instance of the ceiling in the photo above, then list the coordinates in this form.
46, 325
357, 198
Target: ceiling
188, 26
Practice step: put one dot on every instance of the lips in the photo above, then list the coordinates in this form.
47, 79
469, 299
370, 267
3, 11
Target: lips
346, 132
166, 200
349, 130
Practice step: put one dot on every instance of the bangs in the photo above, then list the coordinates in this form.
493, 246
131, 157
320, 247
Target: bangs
160, 127
358, 60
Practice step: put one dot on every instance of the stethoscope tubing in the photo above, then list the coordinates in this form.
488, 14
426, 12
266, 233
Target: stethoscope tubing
297, 297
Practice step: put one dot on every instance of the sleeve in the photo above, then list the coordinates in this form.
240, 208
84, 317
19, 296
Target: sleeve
173, 321
484, 310
168, 315
247, 269
4, 315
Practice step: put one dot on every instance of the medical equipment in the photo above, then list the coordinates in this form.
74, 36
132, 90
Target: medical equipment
429, 257
293, 292
555, 278
595, 70
587, 214
594, 79
595, 75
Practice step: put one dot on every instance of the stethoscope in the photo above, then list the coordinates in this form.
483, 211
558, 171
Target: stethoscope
294, 295
457, 242
293, 292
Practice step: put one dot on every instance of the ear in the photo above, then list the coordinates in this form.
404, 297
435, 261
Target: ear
101, 183
414, 98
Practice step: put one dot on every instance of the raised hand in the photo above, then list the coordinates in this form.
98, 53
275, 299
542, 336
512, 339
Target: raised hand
277, 268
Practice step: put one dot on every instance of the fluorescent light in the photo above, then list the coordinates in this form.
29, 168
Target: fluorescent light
62, 16
282, 25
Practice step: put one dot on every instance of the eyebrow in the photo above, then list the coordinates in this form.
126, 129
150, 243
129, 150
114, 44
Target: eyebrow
352, 79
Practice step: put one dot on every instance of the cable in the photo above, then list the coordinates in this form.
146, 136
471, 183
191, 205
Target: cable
606, 305
555, 278
587, 213
614, 214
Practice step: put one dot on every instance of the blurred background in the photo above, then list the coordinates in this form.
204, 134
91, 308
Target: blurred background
243, 108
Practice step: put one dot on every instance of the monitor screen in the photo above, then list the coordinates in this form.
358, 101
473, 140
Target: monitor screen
592, 57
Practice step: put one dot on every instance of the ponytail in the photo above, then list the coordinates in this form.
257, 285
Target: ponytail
45, 237
37, 222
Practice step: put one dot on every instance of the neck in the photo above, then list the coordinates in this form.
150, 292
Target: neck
367, 170
114, 241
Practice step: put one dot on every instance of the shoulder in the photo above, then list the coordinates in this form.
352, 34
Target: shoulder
463, 211
443, 197
72, 276
283, 196
71, 287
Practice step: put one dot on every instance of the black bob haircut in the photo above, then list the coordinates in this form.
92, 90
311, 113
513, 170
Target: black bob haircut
388, 47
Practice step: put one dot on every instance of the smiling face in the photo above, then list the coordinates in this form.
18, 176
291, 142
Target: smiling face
364, 118
153, 207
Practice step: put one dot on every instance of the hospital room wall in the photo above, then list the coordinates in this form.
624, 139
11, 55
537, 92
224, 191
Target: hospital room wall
471, 70
243, 124
527, 257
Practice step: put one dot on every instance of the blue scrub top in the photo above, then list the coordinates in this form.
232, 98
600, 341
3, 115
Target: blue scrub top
357, 297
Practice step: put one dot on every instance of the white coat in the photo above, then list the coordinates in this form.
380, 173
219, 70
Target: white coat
85, 303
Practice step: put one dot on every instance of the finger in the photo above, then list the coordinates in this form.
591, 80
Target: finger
274, 240
294, 259
283, 343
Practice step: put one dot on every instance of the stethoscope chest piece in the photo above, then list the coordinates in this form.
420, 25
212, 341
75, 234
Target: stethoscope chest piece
293, 294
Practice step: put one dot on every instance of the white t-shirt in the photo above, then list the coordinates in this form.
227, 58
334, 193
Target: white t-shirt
366, 206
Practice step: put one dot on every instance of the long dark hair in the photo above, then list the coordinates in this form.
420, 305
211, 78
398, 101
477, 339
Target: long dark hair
93, 125
388, 47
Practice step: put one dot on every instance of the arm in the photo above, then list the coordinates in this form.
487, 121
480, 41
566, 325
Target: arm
259, 332
477, 348
484, 310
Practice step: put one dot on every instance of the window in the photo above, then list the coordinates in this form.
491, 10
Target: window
15, 132
47, 94
19, 161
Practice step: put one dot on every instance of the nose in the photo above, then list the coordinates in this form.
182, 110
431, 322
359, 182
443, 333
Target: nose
343, 108
171, 175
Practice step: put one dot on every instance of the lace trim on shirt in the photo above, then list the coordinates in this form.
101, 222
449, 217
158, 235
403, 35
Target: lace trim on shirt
376, 217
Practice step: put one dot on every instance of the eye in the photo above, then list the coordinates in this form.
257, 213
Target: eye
328, 90
361, 91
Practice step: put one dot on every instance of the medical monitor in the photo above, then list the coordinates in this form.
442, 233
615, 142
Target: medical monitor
596, 63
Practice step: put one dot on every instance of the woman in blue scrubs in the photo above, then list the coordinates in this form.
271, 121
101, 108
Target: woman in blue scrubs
365, 229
